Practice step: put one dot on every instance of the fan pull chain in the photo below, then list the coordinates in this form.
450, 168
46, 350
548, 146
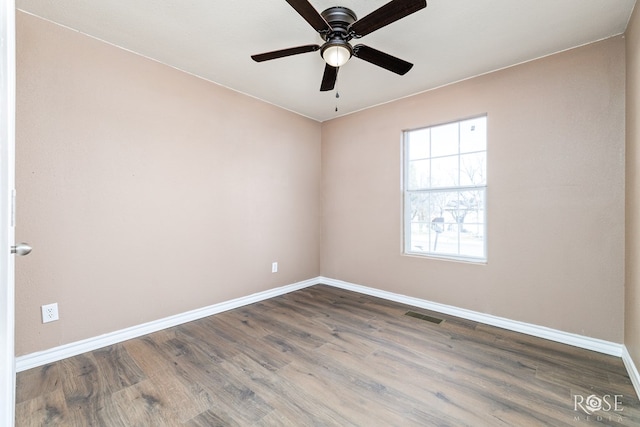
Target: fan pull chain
337, 96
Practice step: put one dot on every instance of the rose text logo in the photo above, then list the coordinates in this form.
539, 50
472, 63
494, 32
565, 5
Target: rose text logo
593, 403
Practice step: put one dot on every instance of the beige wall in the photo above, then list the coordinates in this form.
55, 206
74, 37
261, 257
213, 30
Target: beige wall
632, 284
153, 192
147, 192
555, 194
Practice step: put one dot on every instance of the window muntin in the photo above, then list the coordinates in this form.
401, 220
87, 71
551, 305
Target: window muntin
445, 190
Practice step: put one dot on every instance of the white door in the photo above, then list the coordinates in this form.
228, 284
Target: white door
7, 166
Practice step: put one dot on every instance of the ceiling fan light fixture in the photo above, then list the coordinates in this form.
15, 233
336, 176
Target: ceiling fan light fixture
336, 54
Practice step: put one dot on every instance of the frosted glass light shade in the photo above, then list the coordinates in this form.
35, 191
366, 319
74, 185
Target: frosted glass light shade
336, 55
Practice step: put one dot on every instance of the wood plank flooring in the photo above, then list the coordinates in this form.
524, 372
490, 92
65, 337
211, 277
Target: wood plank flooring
323, 356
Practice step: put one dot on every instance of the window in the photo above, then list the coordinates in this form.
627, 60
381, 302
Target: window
445, 188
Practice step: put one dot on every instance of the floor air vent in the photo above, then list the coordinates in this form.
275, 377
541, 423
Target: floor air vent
424, 317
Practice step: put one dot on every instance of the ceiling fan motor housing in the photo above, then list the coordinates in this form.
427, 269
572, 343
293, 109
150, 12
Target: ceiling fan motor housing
339, 18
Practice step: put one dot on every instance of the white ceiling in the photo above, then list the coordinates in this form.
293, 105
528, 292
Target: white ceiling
448, 41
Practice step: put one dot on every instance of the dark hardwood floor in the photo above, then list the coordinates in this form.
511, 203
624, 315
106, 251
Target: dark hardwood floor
323, 356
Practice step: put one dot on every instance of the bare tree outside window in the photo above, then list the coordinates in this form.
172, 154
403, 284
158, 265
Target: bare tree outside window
445, 190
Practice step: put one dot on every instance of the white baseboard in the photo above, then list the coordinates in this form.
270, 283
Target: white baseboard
64, 351
575, 340
631, 369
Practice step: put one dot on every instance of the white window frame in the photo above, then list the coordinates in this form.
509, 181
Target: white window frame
431, 190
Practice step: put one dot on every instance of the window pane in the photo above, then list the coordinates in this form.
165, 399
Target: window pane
419, 174
472, 169
447, 241
426, 221
419, 144
471, 223
420, 212
444, 171
473, 135
444, 140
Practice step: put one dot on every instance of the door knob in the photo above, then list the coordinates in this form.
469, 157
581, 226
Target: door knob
21, 249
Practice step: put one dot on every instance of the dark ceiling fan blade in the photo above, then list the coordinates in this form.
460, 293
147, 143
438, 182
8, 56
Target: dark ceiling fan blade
381, 59
329, 78
310, 14
385, 15
284, 52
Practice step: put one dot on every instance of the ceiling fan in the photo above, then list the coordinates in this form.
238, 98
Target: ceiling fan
337, 26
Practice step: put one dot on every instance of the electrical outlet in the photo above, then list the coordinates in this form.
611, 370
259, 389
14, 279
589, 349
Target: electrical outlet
50, 312
274, 267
